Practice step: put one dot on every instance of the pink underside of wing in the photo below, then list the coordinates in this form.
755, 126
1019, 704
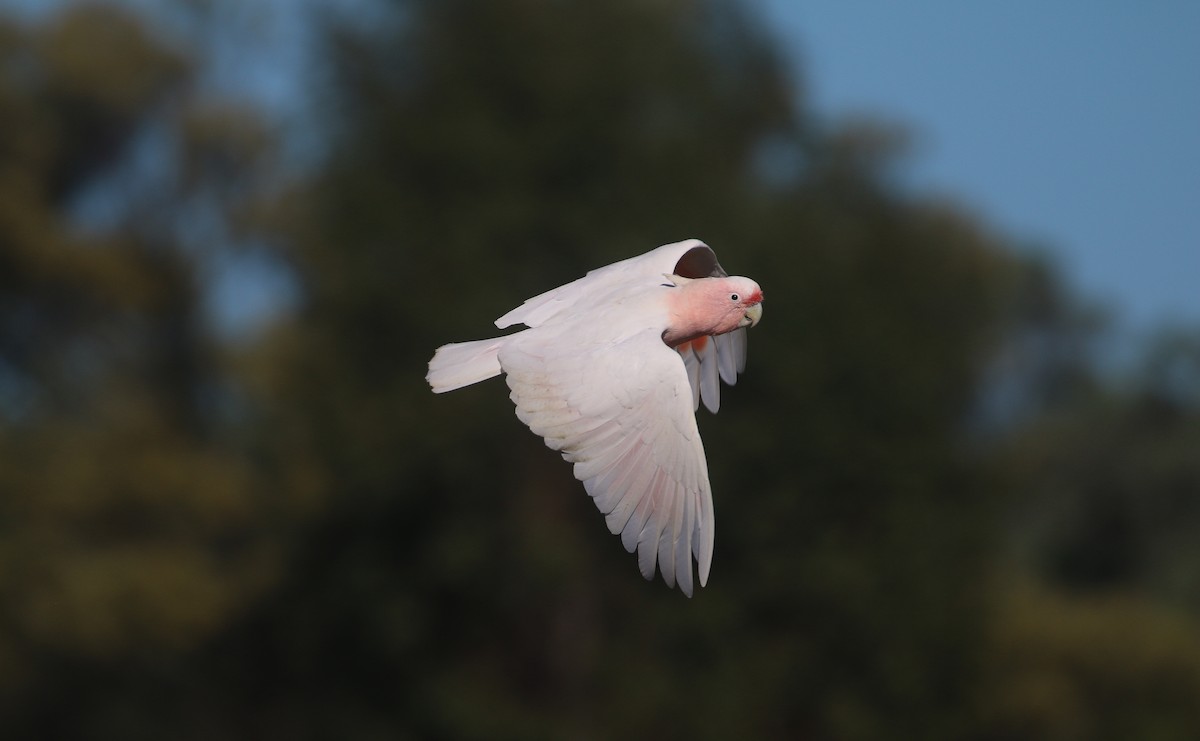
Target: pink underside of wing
698, 344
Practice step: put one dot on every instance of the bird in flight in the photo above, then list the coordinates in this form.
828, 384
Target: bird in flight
610, 372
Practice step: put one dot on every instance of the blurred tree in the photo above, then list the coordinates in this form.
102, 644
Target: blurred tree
1104, 666
131, 524
1120, 469
1095, 629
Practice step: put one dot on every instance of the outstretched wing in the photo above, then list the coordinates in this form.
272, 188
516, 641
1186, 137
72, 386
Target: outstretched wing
623, 414
690, 258
710, 358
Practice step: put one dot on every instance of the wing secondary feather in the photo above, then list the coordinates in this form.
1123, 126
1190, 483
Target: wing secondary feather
624, 415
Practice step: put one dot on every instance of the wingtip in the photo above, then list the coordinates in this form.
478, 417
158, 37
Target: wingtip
705, 566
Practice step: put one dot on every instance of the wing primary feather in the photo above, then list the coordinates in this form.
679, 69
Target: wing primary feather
648, 541
683, 547
692, 364
705, 536
631, 535
727, 362
669, 536
738, 339
710, 386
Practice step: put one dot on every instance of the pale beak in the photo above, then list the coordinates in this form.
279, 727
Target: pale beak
754, 313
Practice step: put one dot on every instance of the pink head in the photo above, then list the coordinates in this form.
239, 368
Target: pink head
712, 306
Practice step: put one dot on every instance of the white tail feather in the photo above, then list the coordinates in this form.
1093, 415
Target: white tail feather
464, 363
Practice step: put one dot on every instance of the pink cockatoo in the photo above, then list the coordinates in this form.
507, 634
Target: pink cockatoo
610, 372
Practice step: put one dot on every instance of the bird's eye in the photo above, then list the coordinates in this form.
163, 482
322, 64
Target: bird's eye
734, 297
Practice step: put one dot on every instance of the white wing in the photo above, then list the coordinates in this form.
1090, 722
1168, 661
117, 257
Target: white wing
623, 414
690, 258
725, 357
708, 358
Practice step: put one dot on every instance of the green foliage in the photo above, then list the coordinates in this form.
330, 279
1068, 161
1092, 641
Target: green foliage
291, 537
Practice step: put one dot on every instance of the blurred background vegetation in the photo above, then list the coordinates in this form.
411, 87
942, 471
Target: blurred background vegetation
230, 507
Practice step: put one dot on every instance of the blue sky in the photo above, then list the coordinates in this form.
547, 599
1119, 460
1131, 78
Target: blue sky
1070, 124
